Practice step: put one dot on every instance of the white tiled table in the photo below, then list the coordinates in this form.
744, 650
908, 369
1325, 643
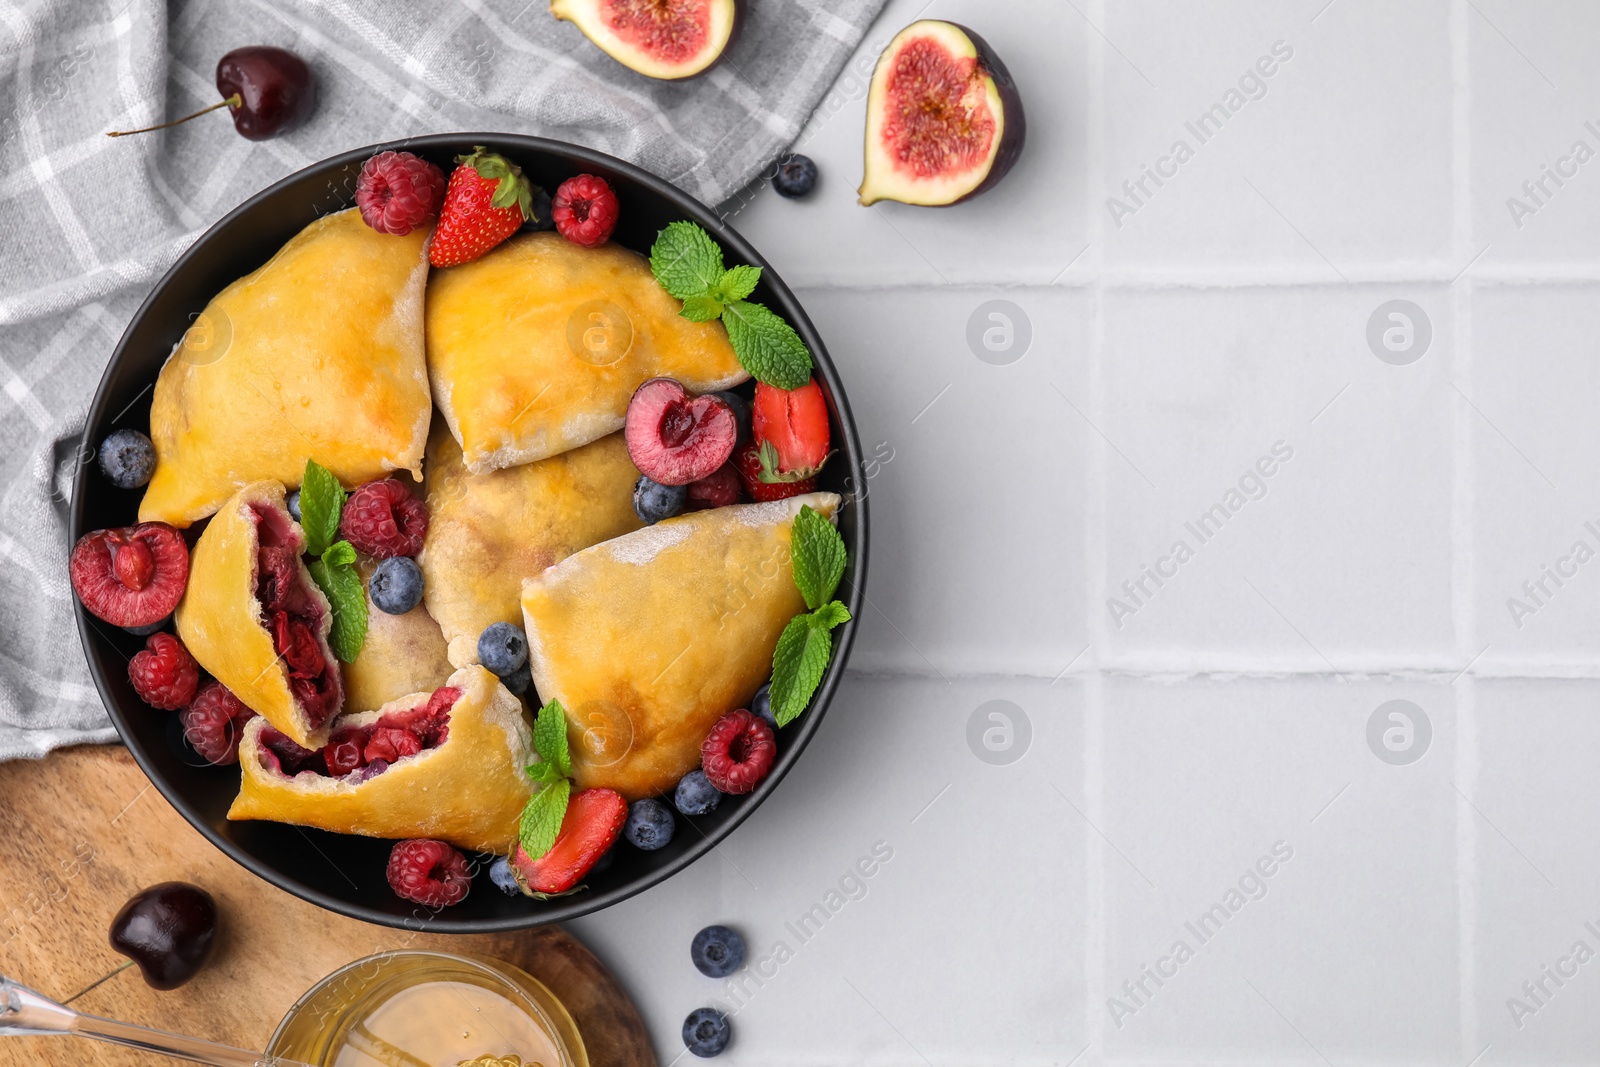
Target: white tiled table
1174, 747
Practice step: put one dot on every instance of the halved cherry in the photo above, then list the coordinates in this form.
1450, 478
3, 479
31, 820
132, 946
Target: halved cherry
675, 438
131, 576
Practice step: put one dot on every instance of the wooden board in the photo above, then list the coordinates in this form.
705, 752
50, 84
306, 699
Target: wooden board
86, 830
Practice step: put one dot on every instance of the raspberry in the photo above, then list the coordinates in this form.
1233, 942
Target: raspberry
164, 675
430, 873
397, 192
132, 576
383, 519
213, 723
738, 752
585, 210
748, 462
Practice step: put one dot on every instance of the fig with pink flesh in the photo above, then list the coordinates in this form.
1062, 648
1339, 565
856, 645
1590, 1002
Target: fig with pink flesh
675, 438
666, 39
944, 119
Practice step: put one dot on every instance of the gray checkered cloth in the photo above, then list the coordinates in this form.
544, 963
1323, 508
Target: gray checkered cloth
89, 223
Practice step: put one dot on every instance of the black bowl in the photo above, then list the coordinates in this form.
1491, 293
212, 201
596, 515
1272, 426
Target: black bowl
342, 873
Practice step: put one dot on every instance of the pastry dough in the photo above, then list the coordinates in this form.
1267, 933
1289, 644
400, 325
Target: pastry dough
487, 532
317, 355
648, 639
223, 622
403, 654
469, 789
538, 346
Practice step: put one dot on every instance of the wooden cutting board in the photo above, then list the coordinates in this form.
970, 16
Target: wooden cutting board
86, 830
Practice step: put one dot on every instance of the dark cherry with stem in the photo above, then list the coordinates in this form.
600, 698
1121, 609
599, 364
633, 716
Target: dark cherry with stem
268, 91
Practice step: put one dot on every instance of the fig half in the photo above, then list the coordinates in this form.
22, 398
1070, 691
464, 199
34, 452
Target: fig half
944, 119
666, 39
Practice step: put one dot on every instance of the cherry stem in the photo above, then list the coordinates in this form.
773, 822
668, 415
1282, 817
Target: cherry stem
233, 101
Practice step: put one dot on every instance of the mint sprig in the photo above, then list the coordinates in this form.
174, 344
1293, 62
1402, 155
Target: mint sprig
321, 500
817, 555
540, 824
688, 264
334, 569
335, 573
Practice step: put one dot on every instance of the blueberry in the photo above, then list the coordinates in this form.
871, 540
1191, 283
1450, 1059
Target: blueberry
519, 680
695, 794
649, 825
795, 177
500, 875
717, 951
706, 1032
542, 219
146, 631
396, 585
761, 704
653, 501
128, 459
502, 649
741, 414
292, 503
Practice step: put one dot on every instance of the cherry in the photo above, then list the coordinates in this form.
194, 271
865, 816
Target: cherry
267, 90
169, 930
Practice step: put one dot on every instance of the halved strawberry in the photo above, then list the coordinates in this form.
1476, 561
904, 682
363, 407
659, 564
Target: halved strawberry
594, 819
486, 202
794, 422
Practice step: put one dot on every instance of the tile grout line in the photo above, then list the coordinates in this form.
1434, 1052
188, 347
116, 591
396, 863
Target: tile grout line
1094, 528
1463, 532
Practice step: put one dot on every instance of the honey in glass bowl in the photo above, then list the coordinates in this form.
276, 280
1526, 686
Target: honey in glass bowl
429, 1009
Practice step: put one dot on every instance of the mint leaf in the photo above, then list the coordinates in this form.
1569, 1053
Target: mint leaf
830, 615
798, 664
550, 737
339, 554
817, 552
540, 824
767, 346
544, 773
341, 583
701, 307
321, 500
685, 260
737, 283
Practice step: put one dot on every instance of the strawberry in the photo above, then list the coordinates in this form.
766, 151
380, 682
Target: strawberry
486, 202
791, 431
594, 819
748, 462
